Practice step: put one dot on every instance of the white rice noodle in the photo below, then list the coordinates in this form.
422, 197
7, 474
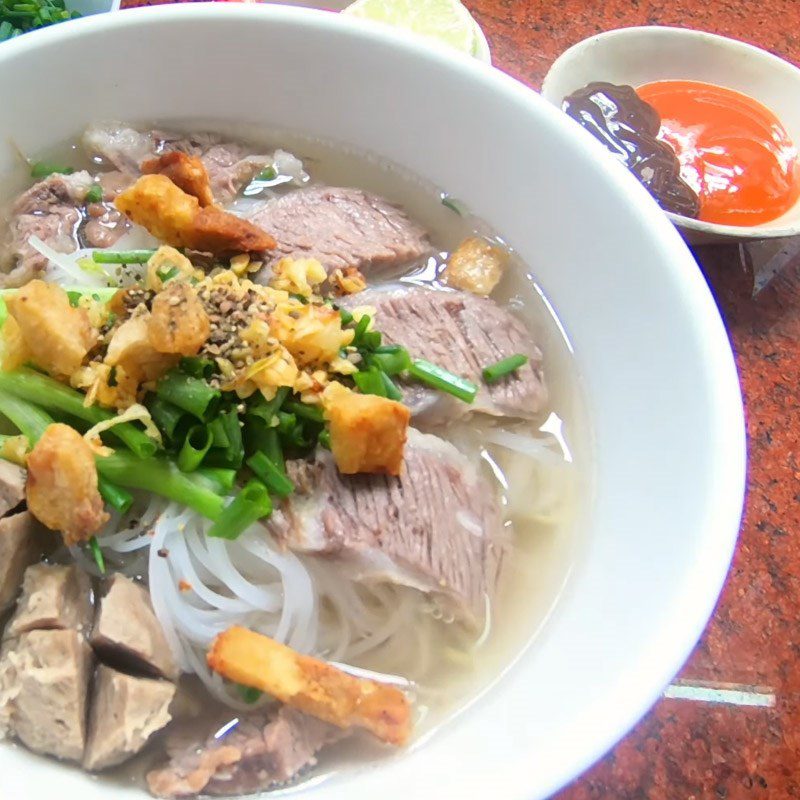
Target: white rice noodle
64, 270
290, 165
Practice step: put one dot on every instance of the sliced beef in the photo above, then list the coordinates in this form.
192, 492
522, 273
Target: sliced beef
23, 541
43, 680
342, 227
462, 333
53, 597
253, 754
12, 486
127, 633
229, 165
125, 713
437, 527
50, 209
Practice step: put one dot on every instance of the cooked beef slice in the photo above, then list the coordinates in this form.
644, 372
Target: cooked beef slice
462, 333
341, 227
43, 686
12, 486
127, 633
50, 209
125, 713
23, 541
53, 597
260, 750
436, 528
229, 165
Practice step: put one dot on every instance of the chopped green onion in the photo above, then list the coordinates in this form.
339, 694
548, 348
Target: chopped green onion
505, 367
166, 416
94, 195
29, 419
392, 359
217, 429
217, 479
166, 275
193, 395
369, 381
232, 454
445, 381
267, 409
74, 298
55, 396
97, 553
370, 339
346, 316
325, 439
313, 413
361, 328
41, 169
249, 694
197, 443
275, 479
122, 256
251, 504
118, 498
452, 204
267, 174
390, 387
197, 367
286, 422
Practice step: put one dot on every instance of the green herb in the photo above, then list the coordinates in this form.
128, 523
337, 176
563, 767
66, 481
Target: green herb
275, 479
193, 395
166, 416
443, 380
389, 386
313, 413
248, 693
122, 256
267, 174
41, 169
197, 443
504, 367
452, 204
250, 505
325, 439
94, 195
392, 359
118, 498
267, 409
17, 18
370, 381
74, 298
166, 275
346, 316
197, 367
97, 553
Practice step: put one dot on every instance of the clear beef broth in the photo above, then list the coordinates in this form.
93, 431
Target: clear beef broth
535, 572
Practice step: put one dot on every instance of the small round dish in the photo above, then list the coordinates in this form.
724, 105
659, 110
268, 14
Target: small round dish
639, 55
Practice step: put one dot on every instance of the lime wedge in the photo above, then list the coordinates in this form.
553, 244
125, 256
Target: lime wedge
445, 21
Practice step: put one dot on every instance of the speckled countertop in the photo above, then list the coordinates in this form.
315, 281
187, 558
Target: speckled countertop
729, 727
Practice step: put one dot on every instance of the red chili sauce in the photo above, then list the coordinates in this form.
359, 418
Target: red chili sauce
733, 151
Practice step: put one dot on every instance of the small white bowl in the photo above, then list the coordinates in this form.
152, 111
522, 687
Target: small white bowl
639, 55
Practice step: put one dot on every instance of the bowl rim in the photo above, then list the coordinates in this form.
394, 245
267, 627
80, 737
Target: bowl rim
625, 706
754, 232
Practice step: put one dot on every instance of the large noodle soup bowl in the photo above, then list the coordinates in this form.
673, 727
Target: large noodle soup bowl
660, 518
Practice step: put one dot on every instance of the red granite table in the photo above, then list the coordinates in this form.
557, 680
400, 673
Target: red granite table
729, 727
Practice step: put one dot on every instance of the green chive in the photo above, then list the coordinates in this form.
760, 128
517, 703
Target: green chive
248, 693
41, 169
251, 504
346, 316
274, 478
166, 416
325, 439
217, 429
97, 553
118, 498
94, 195
166, 275
391, 359
369, 381
313, 413
504, 367
267, 174
122, 256
197, 443
445, 381
193, 395
197, 367
389, 386
267, 409
74, 298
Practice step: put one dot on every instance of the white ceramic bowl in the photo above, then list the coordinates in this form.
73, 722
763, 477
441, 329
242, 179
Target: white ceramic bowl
639, 55
654, 359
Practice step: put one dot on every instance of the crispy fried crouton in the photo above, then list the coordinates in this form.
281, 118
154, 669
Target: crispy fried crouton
15, 352
175, 217
475, 266
311, 685
368, 433
178, 322
56, 335
185, 171
132, 353
61, 487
